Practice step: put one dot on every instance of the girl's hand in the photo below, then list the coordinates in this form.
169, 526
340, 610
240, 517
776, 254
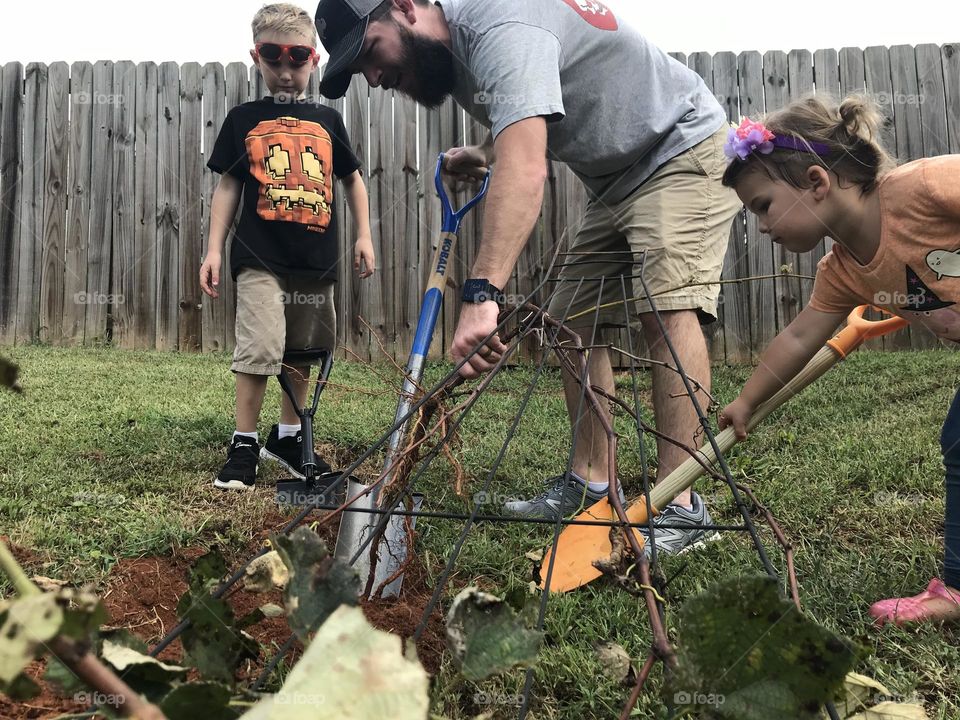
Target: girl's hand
210, 274
364, 261
737, 415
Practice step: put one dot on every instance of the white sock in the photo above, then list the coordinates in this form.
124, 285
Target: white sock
252, 436
594, 486
288, 430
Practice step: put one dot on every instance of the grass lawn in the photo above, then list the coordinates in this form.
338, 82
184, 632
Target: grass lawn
110, 454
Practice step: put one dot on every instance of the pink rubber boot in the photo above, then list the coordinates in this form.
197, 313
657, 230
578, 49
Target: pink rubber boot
937, 602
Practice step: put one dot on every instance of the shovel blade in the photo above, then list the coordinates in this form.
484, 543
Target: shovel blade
356, 526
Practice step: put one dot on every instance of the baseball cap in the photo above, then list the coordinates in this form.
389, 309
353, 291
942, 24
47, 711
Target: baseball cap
341, 26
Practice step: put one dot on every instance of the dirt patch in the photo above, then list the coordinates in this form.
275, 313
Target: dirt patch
141, 595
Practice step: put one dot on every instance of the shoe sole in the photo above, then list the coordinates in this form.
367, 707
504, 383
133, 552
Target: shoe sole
231, 485
267, 455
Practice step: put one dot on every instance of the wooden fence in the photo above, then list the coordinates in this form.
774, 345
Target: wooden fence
106, 196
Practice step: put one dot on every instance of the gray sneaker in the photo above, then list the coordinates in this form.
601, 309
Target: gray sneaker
678, 539
565, 496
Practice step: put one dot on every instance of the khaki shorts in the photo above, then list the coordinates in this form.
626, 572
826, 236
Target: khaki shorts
681, 216
289, 312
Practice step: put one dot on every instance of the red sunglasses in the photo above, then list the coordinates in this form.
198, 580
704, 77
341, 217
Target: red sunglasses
298, 55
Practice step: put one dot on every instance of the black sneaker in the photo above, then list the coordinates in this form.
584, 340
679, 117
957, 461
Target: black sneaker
288, 452
240, 470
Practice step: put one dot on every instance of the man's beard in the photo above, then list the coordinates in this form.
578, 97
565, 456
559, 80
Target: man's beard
430, 69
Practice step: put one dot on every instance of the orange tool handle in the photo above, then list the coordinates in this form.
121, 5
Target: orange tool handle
859, 330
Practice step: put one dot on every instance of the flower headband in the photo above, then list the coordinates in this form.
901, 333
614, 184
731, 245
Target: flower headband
753, 137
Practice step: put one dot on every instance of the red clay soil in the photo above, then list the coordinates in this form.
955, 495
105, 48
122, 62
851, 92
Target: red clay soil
142, 596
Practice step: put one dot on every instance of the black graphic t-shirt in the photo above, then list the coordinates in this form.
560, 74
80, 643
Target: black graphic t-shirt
286, 155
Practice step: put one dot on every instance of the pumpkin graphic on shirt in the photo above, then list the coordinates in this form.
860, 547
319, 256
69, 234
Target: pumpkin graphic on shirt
595, 13
292, 159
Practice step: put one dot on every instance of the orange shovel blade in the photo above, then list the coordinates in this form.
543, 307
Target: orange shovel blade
586, 541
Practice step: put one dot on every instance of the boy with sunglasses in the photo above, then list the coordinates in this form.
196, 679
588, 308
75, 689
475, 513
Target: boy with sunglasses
279, 155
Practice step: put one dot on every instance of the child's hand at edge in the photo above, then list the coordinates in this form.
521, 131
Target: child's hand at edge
737, 414
210, 274
364, 260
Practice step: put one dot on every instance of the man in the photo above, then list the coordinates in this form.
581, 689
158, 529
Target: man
643, 133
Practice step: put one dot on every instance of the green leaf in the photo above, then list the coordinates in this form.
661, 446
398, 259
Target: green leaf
207, 571
210, 701
350, 671
62, 678
318, 584
83, 615
746, 653
213, 644
22, 688
487, 637
25, 625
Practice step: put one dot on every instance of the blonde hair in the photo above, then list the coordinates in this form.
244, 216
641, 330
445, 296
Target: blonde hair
284, 18
851, 129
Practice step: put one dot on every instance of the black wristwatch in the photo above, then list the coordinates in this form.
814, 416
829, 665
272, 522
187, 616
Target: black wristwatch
480, 290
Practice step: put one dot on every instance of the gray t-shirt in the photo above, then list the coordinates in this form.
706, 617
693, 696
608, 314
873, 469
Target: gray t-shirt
617, 107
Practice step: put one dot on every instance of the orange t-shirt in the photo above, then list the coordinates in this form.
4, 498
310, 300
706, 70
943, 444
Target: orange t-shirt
916, 271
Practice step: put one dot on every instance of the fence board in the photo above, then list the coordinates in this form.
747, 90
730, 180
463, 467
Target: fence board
191, 224
55, 204
31, 202
145, 208
213, 314
76, 242
168, 205
100, 226
377, 310
11, 115
124, 265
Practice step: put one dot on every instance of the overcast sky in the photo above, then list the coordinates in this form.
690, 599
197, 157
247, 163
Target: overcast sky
219, 30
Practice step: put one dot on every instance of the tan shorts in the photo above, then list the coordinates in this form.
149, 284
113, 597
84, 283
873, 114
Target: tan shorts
681, 216
289, 312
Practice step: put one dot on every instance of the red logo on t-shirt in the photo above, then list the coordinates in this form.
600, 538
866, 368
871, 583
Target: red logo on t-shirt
595, 13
